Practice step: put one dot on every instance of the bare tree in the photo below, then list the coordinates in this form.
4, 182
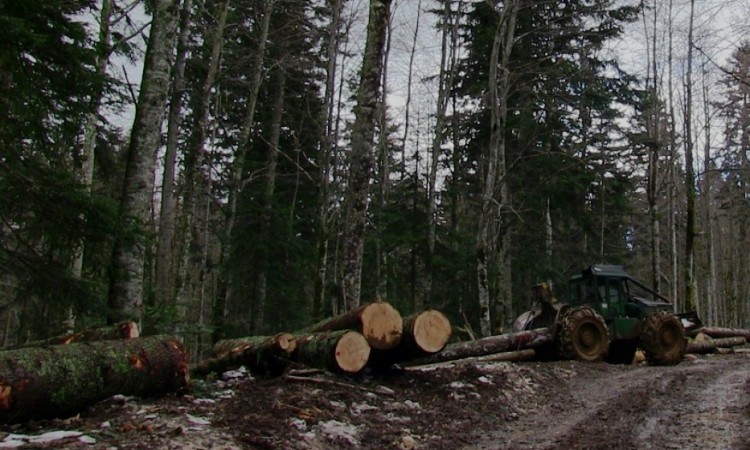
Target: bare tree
690, 288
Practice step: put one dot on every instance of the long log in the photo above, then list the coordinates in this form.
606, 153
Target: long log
380, 323
263, 355
424, 334
61, 380
716, 332
514, 356
490, 345
338, 351
709, 346
122, 330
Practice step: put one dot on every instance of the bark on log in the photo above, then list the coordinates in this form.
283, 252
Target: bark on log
424, 334
264, 355
710, 345
338, 351
519, 355
122, 330
379, 322
61, 380
716, 332
490, 345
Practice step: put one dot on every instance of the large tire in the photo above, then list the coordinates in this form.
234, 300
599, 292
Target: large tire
582, 335
663, 339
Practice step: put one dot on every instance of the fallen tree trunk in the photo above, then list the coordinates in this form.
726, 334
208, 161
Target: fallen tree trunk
490, 345
338, 351
716, 332
519, 355
61, 380
424, 334
379, 322
122, 330
265, 355
709, 346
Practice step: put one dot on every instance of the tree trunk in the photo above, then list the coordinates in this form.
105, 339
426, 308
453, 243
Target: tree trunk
165, 255
61, 380
238, 168
378, 322
690, 288
128, 256
490, 345
493, 208
361, 158
265, 355
713, 344
338, 351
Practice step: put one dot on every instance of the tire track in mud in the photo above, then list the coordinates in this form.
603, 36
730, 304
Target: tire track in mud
701, 404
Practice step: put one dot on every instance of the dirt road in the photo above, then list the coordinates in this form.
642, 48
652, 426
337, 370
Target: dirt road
702, 404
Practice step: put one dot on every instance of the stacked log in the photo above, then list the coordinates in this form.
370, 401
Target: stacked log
338, 351
268, 355
716, 332
379, 322
424, 333
60, 380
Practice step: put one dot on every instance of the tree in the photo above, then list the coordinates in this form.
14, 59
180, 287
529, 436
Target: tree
128, 257
361, 157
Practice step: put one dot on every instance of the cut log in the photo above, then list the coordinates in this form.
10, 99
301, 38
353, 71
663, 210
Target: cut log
519, 355
424, 334
122, 330
379, 322
61, 380
338, 351
490, 345
709, 346
263, 355
716, 332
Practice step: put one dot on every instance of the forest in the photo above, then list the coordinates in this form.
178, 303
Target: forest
224, 168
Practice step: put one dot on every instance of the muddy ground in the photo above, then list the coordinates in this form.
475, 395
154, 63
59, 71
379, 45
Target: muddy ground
702, 404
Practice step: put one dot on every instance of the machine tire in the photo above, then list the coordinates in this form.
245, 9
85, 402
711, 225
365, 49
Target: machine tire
662, 339
582, 335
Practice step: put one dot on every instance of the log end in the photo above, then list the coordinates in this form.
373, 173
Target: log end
129, 330
352, 352
382, 325
431, 331
286, 342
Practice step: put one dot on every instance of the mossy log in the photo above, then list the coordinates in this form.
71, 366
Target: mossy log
122, 330
264, 355
424, 334
380, 323
61, 380
709, 346
338, 351
490, 345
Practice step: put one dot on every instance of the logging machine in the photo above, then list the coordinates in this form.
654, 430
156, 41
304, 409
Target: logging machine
609, 316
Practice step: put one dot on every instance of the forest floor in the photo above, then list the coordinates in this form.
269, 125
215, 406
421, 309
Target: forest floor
702, 403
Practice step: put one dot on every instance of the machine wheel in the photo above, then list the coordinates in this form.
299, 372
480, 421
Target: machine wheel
662, 339
583, 335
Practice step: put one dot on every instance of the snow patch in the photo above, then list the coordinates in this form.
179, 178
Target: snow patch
19, 440
339, 431
195, 420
